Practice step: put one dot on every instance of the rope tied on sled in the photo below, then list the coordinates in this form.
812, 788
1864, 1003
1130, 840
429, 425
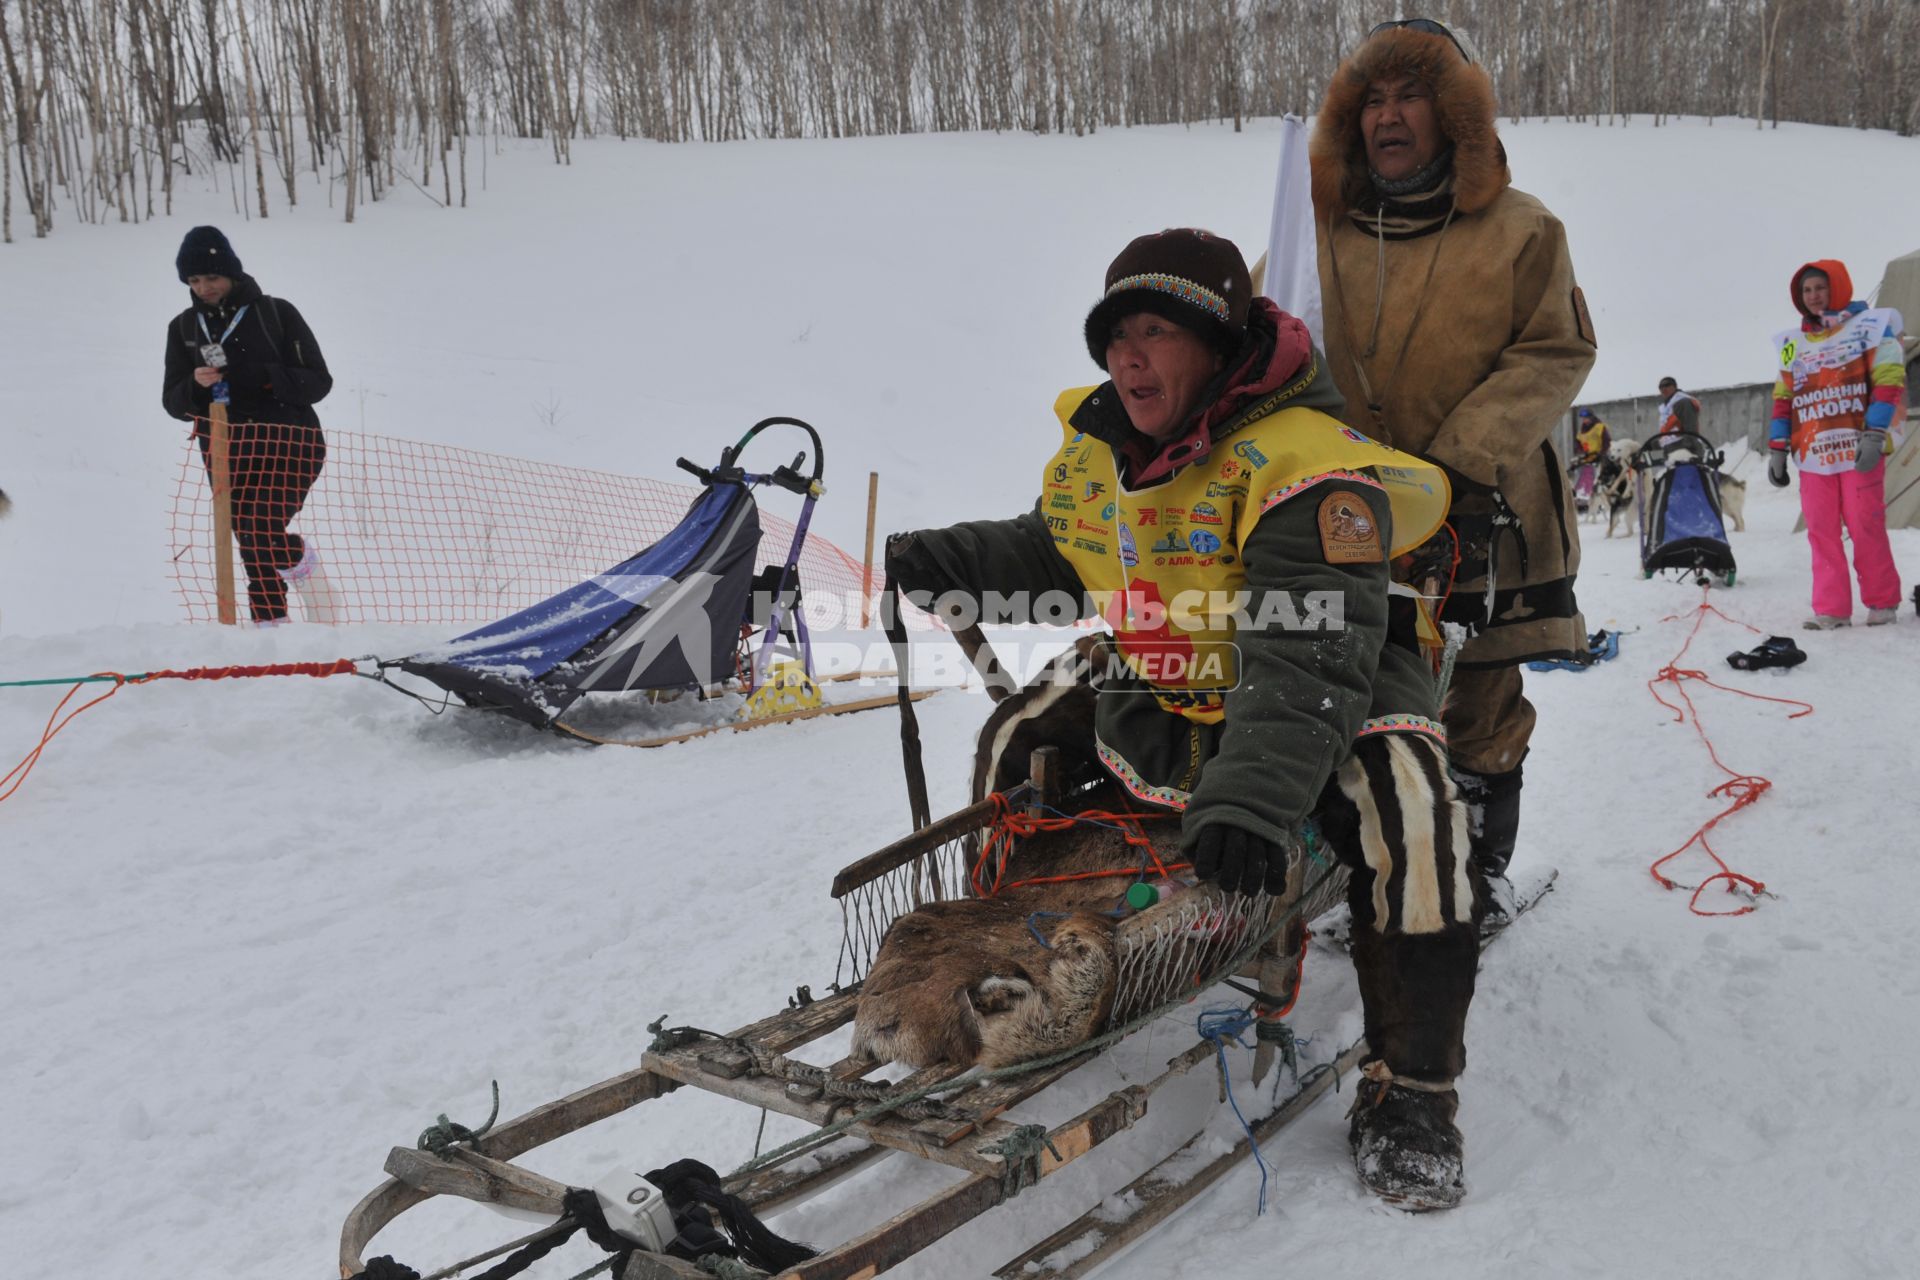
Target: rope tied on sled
439, 1136
1221, 1026
1020, 1152
1010, 825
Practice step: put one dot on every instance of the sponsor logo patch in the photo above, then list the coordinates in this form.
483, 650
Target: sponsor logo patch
1251, 452
1348, 534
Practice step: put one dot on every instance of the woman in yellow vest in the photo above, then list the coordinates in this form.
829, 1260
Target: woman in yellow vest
1238, 539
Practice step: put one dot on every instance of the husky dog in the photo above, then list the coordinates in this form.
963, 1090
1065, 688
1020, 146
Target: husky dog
1614, 493
1733, 501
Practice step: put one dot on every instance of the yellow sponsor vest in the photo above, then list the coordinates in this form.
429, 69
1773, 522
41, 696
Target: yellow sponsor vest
1163, 564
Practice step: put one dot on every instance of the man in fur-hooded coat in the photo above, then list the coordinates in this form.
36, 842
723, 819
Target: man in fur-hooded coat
1456, 331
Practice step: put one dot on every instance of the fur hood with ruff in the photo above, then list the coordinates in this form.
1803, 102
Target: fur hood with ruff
1463, 96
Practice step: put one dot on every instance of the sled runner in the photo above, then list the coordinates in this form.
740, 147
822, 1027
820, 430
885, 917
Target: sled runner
1681, 527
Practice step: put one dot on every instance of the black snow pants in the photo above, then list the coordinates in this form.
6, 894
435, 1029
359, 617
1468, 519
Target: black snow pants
272, 468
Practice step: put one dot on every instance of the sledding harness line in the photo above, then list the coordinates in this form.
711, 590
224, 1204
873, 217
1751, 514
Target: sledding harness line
1743, 789
17, 776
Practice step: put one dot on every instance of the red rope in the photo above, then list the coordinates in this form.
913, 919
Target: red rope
1010, 825
1742, 789
1299, 983
319, 670
16, 777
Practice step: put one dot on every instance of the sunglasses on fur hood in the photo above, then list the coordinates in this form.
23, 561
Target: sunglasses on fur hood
1428, 26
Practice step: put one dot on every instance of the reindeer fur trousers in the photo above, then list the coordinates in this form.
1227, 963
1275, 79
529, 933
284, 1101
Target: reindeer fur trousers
1392, 814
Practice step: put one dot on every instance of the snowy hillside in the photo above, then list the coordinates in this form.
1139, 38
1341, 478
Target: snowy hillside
257, 932
918, 299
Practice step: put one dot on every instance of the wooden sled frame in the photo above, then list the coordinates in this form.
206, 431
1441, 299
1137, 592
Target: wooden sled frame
966, 1131
761, 722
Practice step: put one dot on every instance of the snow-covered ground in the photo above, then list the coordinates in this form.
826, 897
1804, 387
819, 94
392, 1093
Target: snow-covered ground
257, 932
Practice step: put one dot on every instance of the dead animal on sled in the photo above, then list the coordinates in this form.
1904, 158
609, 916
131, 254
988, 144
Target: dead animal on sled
967, 982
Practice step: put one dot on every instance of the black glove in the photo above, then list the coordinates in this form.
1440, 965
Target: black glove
1479, 515
1777, 468
1240, 861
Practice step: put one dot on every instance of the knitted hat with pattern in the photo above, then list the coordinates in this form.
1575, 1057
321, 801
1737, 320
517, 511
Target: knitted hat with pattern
1192, 277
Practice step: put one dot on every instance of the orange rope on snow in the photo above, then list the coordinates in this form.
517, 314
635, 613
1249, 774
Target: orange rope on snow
1010, 825
1742, 789
16, 777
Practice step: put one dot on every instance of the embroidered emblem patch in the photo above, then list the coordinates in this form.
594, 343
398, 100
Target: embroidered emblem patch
1348, 534
1582, 318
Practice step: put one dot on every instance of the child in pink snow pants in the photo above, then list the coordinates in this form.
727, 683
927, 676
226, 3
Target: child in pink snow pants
1859, 499
1841, 387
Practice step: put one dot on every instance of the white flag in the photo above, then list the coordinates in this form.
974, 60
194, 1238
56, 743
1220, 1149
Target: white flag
1293, 270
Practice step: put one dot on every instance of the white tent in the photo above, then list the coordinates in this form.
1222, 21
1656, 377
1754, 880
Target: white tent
1900, 289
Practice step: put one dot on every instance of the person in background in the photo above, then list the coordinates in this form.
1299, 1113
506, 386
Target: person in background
1594, 438
1591, 443
1457, 332
1678, 413
256, 354
1836, 404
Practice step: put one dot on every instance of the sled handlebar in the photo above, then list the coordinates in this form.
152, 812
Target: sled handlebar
789, 477
1666, 444
786, 477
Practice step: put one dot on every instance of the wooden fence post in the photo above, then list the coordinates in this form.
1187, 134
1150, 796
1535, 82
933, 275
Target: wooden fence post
866, 569
221, 472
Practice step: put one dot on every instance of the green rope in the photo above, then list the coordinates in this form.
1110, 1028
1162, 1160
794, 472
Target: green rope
1020, 1151
725, 1268
825, 1134
442, 1134
1281, 1037
22, 684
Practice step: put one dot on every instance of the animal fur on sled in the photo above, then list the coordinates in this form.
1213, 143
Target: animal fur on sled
967, 982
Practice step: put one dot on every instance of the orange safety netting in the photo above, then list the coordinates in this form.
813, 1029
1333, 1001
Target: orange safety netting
410, 532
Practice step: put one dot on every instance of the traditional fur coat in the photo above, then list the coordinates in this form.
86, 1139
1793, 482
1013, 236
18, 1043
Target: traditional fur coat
1459, 334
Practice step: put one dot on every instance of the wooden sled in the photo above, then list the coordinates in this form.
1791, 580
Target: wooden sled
764, 1065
